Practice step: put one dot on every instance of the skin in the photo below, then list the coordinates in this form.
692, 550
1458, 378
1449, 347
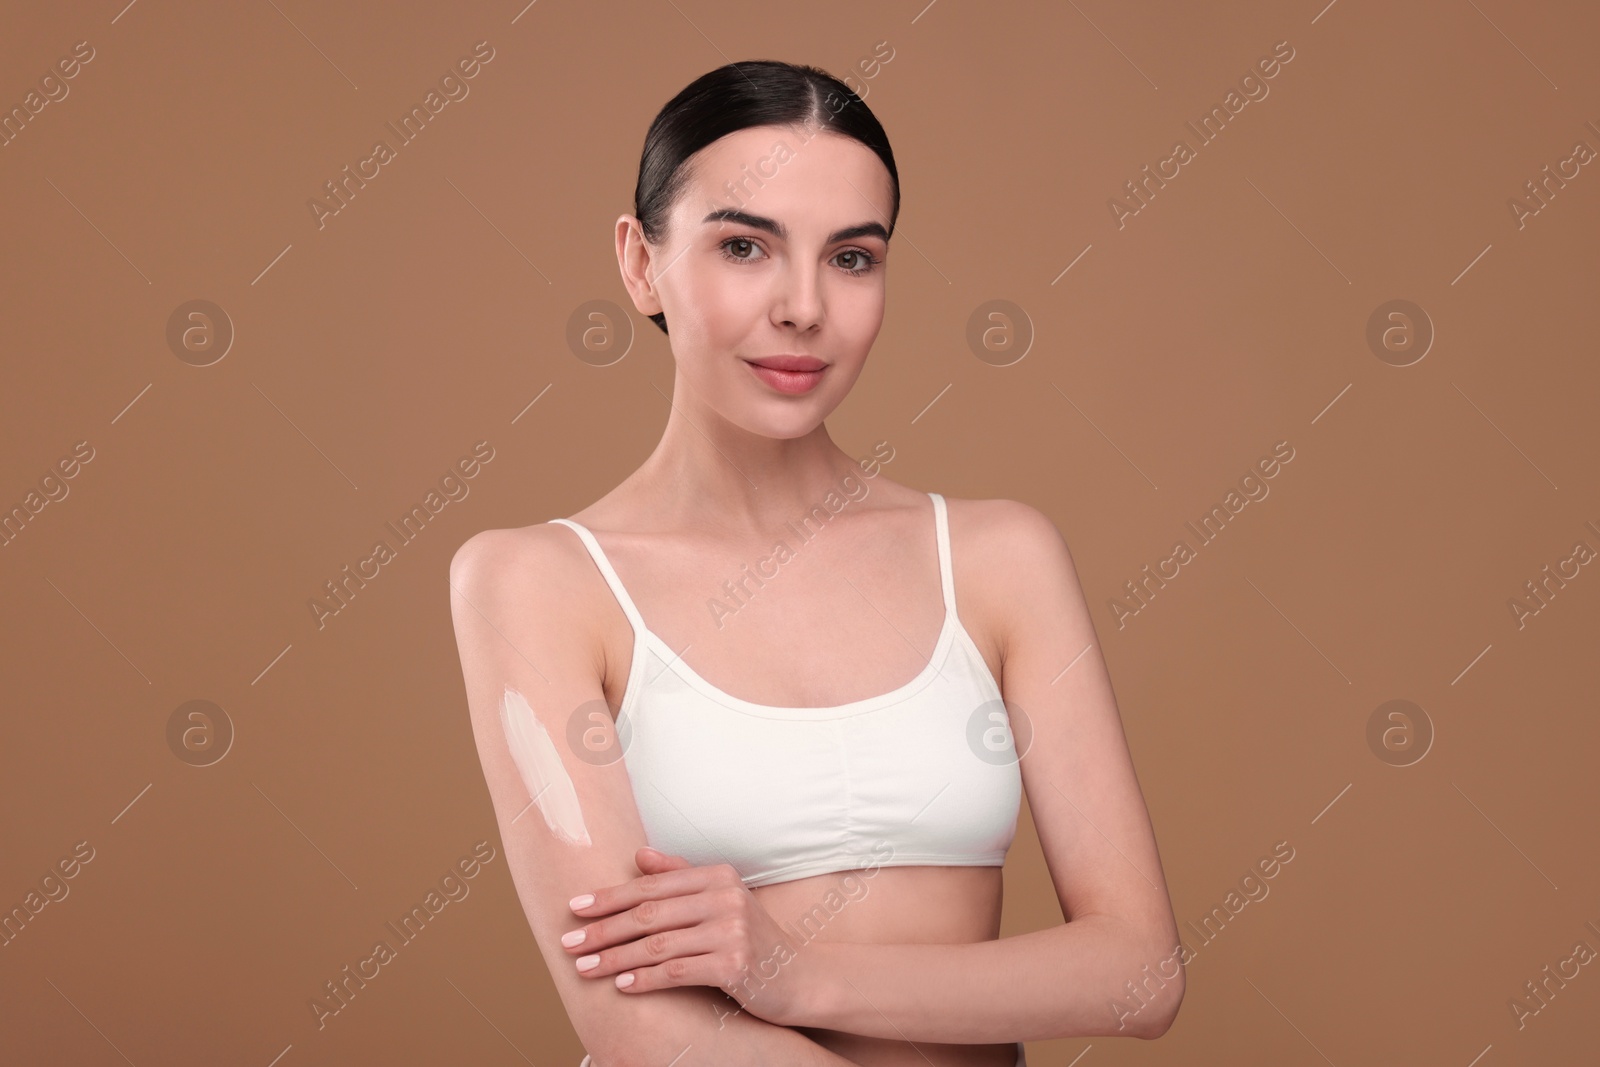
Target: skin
928, 978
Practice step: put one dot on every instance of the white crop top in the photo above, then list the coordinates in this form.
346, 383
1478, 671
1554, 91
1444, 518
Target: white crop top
923, 775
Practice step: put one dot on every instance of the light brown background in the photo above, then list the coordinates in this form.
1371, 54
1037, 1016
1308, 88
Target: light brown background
1230, 314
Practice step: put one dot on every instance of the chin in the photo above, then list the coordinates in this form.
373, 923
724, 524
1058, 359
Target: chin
787, 427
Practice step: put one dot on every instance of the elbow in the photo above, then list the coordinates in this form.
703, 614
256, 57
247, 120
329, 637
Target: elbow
1164, 1012
1146, 1003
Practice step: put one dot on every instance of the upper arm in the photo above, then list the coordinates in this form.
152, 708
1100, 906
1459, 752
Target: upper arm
516, 601
517, 627
1082, 790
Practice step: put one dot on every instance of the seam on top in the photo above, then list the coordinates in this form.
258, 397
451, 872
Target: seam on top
948, 635
950, 631
795, 871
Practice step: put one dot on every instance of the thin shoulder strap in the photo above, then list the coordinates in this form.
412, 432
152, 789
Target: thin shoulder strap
941, 527
609, 573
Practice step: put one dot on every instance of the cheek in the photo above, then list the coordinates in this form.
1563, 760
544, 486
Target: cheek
716, 305
858, 316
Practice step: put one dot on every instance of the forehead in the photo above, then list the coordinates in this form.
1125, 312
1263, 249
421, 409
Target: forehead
807, 177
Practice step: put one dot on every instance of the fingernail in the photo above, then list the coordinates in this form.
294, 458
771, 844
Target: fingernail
582, 901
574, 937
588, 963
624, 981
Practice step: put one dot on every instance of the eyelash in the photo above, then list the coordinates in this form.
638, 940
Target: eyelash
871, 260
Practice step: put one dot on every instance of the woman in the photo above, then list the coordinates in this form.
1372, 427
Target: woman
828, 885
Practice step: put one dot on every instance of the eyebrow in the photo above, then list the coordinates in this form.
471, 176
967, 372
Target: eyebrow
780, 231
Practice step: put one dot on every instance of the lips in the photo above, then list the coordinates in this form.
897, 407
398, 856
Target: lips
786, 362
788, 374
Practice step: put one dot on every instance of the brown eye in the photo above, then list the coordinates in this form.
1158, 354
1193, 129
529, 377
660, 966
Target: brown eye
745, 247
862, 260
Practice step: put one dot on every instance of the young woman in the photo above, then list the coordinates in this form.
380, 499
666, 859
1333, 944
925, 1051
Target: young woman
827, 888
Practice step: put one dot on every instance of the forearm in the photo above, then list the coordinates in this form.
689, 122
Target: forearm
701, 1027
1093, 976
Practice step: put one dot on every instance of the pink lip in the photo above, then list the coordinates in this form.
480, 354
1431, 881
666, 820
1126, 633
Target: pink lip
788, 362
789, 374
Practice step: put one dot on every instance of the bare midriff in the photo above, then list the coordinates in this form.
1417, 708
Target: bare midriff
890, 905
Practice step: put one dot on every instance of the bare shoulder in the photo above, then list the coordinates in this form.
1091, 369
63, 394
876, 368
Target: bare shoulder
1006, 541
534, 582
544, 557
1014, 573
507, 553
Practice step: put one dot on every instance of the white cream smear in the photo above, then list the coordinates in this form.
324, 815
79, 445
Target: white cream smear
542, 771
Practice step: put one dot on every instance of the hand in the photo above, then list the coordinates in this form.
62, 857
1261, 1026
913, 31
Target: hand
682, 925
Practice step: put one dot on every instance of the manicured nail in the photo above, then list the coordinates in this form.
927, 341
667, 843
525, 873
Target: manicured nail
582, 901
624, 981
574, 937
588, 963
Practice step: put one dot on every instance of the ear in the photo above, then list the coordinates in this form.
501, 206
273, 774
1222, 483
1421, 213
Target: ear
633, 259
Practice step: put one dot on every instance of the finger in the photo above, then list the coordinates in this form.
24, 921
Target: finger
683, 971
652, 950
648, 917
652, 860
657, 886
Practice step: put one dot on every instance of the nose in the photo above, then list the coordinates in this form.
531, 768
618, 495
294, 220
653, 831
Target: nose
798, 299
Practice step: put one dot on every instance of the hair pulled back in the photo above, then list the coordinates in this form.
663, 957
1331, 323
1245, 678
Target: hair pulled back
755, 92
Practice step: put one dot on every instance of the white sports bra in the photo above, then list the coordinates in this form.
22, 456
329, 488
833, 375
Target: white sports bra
923, 775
